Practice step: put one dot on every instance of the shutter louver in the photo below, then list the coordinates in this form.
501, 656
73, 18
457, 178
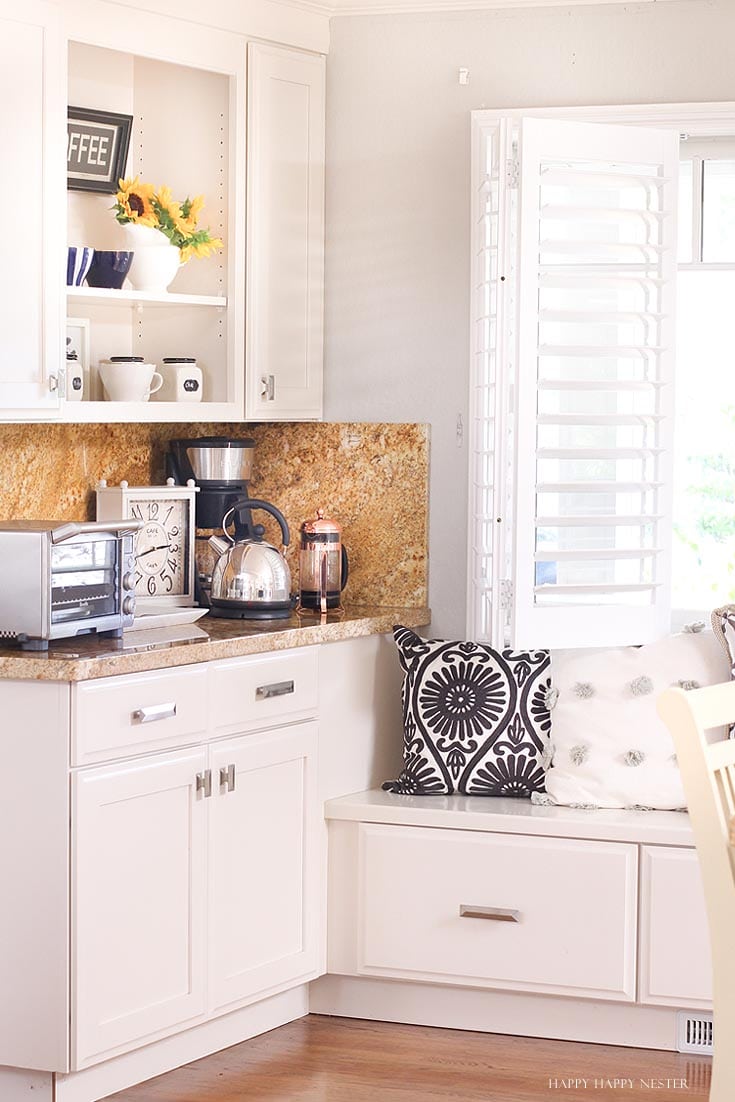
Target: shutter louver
593, 418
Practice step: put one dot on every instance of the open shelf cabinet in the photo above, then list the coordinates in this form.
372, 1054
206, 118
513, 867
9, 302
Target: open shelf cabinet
188, 105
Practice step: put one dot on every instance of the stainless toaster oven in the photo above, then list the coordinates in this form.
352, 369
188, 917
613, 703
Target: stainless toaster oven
63, 579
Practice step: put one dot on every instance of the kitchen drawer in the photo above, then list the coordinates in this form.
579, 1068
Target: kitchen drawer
676, 962
117, 717
552, 915
264, 690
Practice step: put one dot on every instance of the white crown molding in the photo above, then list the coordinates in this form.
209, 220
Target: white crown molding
334, 8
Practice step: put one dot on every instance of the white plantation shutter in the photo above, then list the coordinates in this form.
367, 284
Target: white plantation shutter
596, 278
493, 211
578, 397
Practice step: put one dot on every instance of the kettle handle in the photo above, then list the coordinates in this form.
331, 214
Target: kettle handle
256, 503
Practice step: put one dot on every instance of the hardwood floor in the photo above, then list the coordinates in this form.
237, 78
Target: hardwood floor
320, 1059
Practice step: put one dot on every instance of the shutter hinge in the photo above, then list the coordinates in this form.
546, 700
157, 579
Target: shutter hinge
511, 172
506, 594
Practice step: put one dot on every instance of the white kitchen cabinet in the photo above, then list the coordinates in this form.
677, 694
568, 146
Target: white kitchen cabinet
169, 892
285, 263
191, 870
253, 314
676, 960
155, 68
138, 900
462, 911
32, 193
263, 868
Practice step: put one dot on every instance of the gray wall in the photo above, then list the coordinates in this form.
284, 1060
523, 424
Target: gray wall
397, 310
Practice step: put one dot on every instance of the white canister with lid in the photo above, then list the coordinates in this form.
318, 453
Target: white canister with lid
182, 380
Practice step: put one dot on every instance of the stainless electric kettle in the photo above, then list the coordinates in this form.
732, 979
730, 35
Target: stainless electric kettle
251, 579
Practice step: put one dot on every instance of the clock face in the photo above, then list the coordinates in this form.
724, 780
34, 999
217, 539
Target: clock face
161, 546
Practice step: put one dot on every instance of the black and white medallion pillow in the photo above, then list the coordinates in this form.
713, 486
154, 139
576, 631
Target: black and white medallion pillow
475, 720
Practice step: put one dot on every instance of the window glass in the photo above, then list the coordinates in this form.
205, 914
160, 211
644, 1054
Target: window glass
704, 481
718, 212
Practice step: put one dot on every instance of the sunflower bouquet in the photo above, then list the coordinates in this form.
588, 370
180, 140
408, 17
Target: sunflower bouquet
145, 205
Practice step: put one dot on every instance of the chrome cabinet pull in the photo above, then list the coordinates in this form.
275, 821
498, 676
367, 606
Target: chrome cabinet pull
277, 688
227, 777
495, 914
153, 713
204, 782
268, 387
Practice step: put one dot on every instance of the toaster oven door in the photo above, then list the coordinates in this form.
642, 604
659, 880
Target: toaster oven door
84, 579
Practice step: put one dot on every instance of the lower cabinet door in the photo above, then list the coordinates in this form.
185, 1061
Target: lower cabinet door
264, 893
676, 962
138, 884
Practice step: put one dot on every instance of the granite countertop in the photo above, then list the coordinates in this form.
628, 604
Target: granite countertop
86, 658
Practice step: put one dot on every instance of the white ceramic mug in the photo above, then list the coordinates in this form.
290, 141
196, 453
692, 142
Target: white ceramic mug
129, 381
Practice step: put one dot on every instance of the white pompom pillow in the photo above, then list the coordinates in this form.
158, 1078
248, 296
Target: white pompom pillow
609, 747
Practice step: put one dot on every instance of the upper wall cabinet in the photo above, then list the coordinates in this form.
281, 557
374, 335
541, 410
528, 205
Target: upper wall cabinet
184, 87
31, 193
251, 315
285, 270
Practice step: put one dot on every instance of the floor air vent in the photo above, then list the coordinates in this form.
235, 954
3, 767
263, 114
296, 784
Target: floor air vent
695, 1032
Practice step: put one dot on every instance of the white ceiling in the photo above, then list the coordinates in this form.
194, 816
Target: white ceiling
376, 7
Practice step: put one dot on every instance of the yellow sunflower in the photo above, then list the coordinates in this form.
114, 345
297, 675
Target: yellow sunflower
134, 203
192, 209
201, 248
169, 207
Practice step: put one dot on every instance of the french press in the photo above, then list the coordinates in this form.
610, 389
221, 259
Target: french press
323, 566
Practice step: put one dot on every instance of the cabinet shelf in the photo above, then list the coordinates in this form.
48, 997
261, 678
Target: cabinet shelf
102, 296
119, 412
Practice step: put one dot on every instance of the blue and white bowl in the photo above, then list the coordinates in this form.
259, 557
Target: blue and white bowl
78, 259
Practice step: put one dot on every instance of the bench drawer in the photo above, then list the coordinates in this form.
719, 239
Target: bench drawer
117, 717
543, 914
264, 690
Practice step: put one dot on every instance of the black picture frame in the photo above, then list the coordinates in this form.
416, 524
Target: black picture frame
96, 149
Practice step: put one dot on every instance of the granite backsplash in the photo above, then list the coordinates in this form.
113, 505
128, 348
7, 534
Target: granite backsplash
371, 478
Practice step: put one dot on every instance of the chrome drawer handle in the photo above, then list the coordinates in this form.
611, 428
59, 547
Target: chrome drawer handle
153, 713
204, 782
227, 777
277, 688
495, 914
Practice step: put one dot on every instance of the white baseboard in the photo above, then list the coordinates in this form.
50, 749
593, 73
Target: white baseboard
513, 1013
135, 1067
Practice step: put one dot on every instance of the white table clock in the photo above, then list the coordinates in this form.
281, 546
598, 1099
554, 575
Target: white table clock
164, 546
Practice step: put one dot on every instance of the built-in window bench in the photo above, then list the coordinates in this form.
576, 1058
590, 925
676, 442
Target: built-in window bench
503, 916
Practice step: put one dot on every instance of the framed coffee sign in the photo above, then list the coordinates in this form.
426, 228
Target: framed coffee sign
96, 149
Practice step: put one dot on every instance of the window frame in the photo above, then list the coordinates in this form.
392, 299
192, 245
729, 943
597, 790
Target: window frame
693, 121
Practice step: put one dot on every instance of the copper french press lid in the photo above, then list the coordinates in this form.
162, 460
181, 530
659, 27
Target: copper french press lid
320, 529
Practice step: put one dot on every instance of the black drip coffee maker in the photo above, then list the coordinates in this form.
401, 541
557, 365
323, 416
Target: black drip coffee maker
221, 467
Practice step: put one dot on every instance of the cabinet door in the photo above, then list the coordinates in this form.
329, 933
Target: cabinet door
285, 277
138, 884
263, 887
33, 199
676, 961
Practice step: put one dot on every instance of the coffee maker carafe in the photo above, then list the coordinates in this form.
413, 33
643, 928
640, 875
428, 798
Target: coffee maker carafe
323, 566
221, 466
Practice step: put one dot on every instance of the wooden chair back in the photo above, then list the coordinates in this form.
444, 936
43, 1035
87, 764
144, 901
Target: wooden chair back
708, 774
